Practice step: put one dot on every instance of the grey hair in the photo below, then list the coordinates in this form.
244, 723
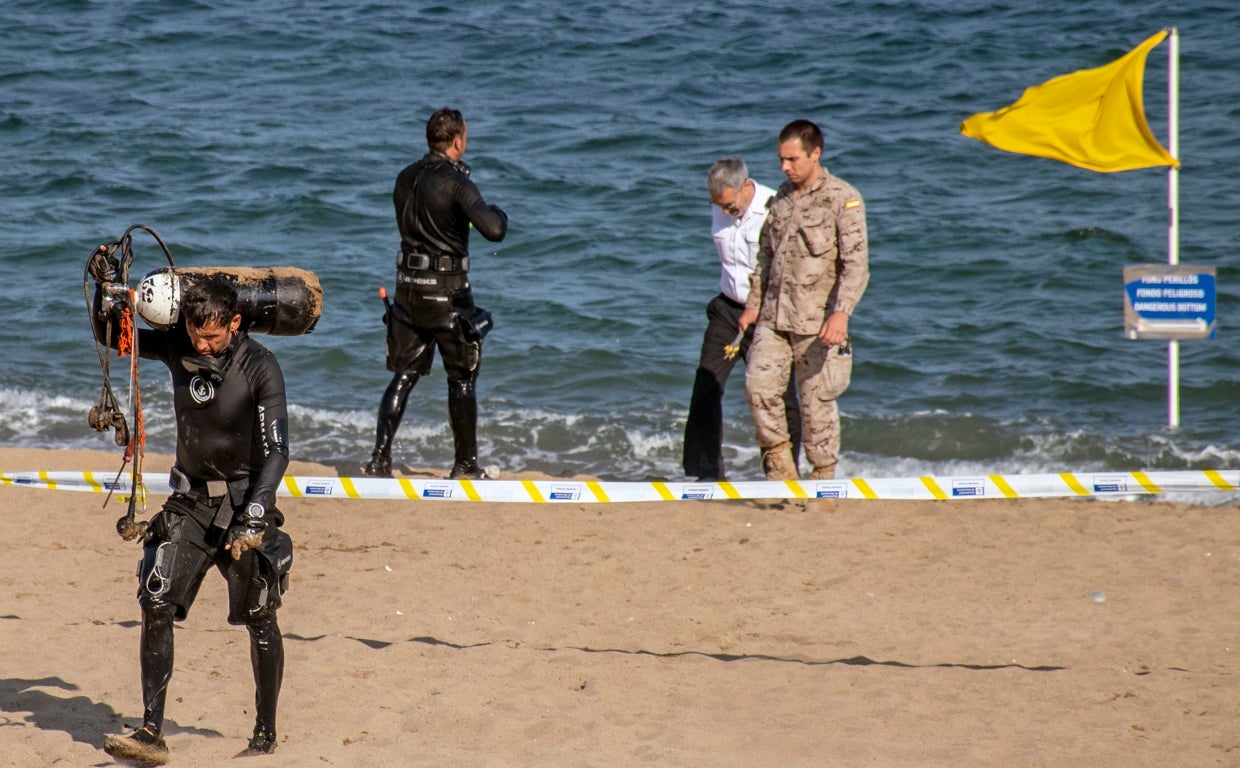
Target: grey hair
728, 173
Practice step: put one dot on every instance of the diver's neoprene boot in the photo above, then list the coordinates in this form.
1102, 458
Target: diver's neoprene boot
463, 418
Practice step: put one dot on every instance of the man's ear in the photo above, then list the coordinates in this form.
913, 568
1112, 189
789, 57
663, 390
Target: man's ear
235, 324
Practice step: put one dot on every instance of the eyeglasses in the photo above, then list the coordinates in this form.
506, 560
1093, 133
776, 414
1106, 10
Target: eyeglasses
733, 206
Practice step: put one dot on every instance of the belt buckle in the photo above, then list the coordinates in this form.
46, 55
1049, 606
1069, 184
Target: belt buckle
443, 263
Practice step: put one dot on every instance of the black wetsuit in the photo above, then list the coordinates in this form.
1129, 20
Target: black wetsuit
233, 428
435, 204
232, 450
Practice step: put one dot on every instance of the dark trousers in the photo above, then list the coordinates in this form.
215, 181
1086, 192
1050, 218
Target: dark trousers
703, 446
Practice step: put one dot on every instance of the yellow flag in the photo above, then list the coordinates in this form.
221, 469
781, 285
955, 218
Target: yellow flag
1093, 118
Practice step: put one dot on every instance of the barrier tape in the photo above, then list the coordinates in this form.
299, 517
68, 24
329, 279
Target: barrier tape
1080, 484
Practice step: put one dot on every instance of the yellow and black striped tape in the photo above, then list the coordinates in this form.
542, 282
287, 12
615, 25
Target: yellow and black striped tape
1069, 484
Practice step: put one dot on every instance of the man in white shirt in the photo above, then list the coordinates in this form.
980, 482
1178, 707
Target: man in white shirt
740, 205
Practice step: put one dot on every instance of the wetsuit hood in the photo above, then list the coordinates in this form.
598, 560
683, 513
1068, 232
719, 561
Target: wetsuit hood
214, 366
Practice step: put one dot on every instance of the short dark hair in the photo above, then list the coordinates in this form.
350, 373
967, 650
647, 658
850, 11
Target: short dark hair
209, 302
808, 132
444, 126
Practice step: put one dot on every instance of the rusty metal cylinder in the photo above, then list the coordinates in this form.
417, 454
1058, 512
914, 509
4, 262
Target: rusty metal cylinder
279, 301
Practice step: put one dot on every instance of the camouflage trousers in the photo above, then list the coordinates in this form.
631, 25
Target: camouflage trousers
822, 376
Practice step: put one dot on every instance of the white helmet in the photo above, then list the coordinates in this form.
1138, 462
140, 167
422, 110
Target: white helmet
159, 299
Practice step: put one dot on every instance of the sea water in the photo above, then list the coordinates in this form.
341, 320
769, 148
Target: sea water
269, 133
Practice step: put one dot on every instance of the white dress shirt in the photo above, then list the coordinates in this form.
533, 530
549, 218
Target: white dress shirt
736, 241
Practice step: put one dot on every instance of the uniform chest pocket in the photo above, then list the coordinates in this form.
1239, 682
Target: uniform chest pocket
817, 227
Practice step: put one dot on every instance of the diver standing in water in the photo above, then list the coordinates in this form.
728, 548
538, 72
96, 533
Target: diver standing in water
436, 203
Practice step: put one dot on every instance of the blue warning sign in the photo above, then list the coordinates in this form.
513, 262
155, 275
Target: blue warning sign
1169, 301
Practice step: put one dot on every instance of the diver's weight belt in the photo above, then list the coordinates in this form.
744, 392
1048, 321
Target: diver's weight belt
420, 262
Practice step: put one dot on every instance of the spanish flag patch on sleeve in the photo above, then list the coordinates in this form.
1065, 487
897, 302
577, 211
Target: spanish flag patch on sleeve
854, 203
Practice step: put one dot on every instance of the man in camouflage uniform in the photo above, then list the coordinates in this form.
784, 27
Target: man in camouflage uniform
813, 266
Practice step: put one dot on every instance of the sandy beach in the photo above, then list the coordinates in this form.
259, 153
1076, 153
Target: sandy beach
692, 633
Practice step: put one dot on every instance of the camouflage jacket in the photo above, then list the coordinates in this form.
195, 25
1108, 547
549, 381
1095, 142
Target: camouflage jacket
813, 257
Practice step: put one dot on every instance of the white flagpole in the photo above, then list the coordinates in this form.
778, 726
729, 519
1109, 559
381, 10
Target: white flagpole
1173, 204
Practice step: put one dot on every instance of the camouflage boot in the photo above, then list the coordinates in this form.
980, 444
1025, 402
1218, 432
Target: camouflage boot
823, 473
778, 463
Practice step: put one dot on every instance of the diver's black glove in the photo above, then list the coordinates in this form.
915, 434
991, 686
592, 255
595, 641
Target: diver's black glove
246, 532
104, 266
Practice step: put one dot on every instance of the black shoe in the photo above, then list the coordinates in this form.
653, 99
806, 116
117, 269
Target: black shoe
378, 466
467, 470
263, 742
143, 745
